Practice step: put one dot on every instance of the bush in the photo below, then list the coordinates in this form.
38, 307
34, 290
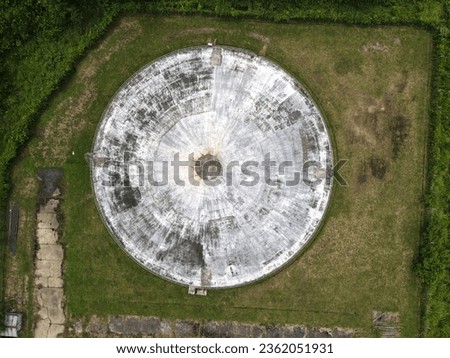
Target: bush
434, 260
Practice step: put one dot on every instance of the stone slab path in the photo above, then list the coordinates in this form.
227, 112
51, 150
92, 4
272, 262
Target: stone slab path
48, 281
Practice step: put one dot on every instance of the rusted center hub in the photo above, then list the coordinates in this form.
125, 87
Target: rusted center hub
208, 167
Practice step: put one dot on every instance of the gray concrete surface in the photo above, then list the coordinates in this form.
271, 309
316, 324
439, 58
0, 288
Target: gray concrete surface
230, 105
137, 326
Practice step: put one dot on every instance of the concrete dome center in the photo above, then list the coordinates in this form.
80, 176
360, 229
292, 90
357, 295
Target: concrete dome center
208, 167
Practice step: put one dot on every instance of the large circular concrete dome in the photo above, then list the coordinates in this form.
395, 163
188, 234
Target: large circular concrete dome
211, 167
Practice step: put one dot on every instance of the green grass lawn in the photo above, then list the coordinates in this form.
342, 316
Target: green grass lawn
372, 85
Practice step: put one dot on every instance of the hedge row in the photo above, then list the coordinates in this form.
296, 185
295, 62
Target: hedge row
359, 12
38, 52
434, 259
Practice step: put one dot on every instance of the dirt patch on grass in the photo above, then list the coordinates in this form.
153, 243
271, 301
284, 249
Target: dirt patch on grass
193, 31
126, 31
382, 123
399, 128
260, 37
263, 50
28, 187
375, 166
375, 47
378, 167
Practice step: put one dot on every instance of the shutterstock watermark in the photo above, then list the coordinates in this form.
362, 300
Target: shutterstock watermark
210, 170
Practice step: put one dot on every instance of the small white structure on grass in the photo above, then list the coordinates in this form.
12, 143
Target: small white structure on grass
13, 324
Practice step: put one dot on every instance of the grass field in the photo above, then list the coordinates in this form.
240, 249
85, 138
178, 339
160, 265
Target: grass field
372, 85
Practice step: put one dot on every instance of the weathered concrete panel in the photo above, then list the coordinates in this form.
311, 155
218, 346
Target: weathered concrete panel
230, 105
